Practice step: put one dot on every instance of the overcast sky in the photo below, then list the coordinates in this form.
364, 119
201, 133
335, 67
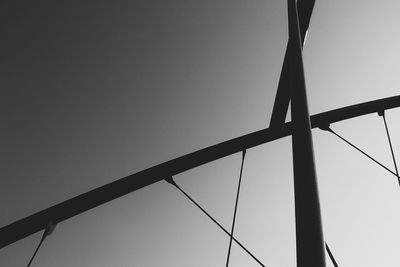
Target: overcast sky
97, 90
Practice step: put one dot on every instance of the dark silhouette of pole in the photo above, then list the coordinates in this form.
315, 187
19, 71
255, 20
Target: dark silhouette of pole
309, 237
98, 196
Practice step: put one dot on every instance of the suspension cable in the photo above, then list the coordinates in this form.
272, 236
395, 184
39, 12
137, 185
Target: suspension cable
236, 204
171, 181
331, 255
37, 248
49, 229
382, 114
327, 128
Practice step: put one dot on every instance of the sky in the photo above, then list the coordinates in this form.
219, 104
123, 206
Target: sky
94, 91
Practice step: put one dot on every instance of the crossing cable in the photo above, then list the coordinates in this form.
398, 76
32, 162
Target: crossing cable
331, 255
236, 204
327, 128
171, 181
382, 114
49, 229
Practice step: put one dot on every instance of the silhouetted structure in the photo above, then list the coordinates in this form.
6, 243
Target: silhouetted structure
309, 237
310, 242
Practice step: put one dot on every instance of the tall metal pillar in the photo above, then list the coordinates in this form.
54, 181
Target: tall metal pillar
309, 237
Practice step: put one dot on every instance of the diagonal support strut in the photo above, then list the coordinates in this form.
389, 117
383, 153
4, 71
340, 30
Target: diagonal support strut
283, 95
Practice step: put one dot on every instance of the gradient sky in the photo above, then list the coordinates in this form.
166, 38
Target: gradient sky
94, 91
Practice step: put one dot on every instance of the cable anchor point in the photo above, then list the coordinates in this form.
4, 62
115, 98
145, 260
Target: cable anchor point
170, 180
325, 127
50, 228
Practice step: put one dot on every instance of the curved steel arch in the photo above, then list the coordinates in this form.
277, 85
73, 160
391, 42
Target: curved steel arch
86, 201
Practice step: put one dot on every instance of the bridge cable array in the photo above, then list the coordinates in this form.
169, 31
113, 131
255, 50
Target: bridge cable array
50, 226
382, 114
172, 182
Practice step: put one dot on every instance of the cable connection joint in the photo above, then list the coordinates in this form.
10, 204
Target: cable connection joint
49, 228
325, 127
170, 180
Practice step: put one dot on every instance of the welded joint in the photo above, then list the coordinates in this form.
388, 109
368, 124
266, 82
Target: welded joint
381, 113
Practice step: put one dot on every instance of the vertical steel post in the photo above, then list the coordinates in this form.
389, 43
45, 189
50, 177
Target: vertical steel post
309, 237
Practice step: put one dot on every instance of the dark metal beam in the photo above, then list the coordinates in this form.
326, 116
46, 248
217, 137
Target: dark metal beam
309, 234
96, 197
282, 98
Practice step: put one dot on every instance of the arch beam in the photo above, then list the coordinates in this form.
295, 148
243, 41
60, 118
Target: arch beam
96, 197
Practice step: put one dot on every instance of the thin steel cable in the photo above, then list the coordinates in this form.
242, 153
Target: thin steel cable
236, 204
47, 231
37, 248
171, 181
358, 149
390, 144
331, 255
